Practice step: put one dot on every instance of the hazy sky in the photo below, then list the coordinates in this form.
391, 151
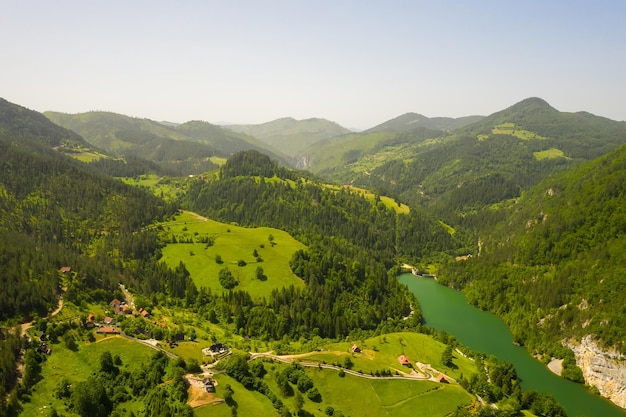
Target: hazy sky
357, 63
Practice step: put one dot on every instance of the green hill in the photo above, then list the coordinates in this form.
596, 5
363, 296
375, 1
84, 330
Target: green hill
290, 135
186, 147
560, 248
482, 163
410, 121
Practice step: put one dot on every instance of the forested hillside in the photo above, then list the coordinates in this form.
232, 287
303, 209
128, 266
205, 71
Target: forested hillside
486, 162
352, 244
554, 266
53, 210
411, 121
181, 149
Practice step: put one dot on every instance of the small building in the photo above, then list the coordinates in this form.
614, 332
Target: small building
107, 320
91, 320
209, 385
43, 348
108, 330
65, 269
404, 361
145, 314
356, 349
115, 303
441, 378
218, 348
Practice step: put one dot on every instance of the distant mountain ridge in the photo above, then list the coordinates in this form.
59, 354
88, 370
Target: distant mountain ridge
123, 135
410, 121
291, 135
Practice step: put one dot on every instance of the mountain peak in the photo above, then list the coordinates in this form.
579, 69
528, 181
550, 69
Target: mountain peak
533, 104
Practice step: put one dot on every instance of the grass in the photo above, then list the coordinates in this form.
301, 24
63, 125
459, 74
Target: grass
551, 153
249, 403
86, 156
387, 201
512, 130
381, 353
168, 188
77, 366
232, 244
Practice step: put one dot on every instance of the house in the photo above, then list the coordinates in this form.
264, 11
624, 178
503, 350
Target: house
115, 303
65, 269
218, 348
107, 320
43, 348
91, 320
209, 385
404, 361
441, 378
145, 314
356, 349
108, 330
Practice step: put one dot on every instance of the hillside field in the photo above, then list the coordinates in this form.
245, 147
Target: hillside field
232, 244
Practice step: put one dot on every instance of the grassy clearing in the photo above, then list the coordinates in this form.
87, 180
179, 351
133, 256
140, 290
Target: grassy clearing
232, 244
381, 353
364, 397
551, 153
249, 403
387, 201
86, 156
512, 130
77, 366
218, 161
165, 187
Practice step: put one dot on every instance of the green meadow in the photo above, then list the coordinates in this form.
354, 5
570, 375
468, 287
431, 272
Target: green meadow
513, 130
381, 353
387, 201
352, 395
233, 244
78, 366
168, 188
551, 153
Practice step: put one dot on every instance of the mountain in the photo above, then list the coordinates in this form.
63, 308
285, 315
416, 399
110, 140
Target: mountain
553, 266
482, 163
53, 208
291, 135
225, 141
410, 121
190, 144
19, 122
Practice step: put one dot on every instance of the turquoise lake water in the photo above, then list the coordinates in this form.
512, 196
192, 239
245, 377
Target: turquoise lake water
446, 309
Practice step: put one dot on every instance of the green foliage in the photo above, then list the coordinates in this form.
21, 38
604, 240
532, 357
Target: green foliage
561, 246
227, 280
446, 357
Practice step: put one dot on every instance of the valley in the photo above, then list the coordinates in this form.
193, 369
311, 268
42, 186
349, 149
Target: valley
181, 237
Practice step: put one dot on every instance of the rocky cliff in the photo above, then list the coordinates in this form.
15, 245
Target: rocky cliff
606, 370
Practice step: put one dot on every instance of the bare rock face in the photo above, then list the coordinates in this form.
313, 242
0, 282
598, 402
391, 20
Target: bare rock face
606, 370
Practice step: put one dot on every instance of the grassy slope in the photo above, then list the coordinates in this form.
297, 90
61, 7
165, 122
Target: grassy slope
78, 366
233, 243
352, 395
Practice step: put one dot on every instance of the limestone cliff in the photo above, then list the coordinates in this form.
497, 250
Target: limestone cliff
606, 370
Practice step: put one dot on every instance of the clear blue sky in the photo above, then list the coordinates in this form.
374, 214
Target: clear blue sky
357, 63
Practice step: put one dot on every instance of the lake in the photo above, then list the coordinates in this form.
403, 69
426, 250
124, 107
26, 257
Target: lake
446, 309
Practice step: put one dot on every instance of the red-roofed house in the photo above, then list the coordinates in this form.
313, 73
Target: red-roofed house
108, 330
441, 378
356, 349
404, 361
115, 303
107, 320
65, 269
